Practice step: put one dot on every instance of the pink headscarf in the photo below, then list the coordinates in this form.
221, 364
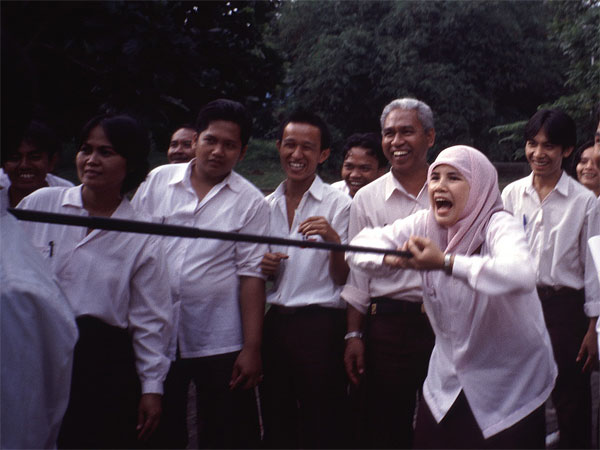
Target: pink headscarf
467, 235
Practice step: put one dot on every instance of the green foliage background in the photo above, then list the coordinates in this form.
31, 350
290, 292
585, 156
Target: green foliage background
483, 66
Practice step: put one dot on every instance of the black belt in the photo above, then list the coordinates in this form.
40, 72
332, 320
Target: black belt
386, 305
286, 310
548, 292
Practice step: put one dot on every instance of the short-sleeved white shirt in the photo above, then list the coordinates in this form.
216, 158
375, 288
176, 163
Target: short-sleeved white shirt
204, 273
342, 186
117, 277
557, 231
377, 204
303, 278
52, 180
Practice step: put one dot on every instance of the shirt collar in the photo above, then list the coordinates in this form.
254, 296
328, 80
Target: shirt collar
562, 185
73, 198
184, 172
315, 189
392, 184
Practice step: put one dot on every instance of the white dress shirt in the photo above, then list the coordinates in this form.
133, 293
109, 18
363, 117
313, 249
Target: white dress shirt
204, 273
342, 186
38, 335
491, 338
380, 203
52, 180
303, 278
117, 277
557, 231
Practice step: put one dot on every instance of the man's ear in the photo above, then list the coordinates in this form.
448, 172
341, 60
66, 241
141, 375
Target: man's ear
242, 153
324, 155
567, 152
430, 137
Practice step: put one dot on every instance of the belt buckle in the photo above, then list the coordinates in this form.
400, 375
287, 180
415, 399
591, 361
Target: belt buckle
373, 309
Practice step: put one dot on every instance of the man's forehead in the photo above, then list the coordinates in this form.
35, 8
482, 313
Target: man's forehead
401, 117
300, 126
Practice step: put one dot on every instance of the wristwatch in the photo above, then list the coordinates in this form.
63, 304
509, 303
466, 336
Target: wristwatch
353, 334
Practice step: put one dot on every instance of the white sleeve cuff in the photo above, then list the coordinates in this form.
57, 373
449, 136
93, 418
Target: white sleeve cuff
152, 387
461, 266
356, 298
591, 309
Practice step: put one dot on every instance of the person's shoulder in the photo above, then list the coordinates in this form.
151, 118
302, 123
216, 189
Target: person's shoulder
167, 171
373, 190
54, 181
245, 187
341, 185
159, 177
47, 195
517, 185
579, 191
500, 217
336, 196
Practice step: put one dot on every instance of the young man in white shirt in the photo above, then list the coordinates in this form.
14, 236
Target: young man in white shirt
27, 167
391, 363
217, 286
559, 215
364, 162
304, 385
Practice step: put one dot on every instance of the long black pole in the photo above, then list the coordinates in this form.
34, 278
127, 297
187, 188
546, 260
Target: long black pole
134, 226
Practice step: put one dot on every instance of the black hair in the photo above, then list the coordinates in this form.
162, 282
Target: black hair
41, 137
369, 141
576, 157
129, 139
186, 126
228, 110
303, 116
559, 127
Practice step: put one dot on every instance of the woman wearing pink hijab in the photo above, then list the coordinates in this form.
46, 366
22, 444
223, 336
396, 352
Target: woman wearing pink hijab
492, 366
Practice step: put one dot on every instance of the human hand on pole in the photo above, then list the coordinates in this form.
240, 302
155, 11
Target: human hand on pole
426, 255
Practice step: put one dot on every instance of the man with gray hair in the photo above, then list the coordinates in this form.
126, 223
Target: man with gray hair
391, 363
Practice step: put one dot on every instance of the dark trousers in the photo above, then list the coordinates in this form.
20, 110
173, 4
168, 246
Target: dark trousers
458, 429
572, 397
398, 347
226, 419
105, 389
304, 386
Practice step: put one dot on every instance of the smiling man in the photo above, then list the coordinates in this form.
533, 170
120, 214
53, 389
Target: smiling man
364, 162
28, 167
391, 363
217, 286
180, 146
304, 386
559, 216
